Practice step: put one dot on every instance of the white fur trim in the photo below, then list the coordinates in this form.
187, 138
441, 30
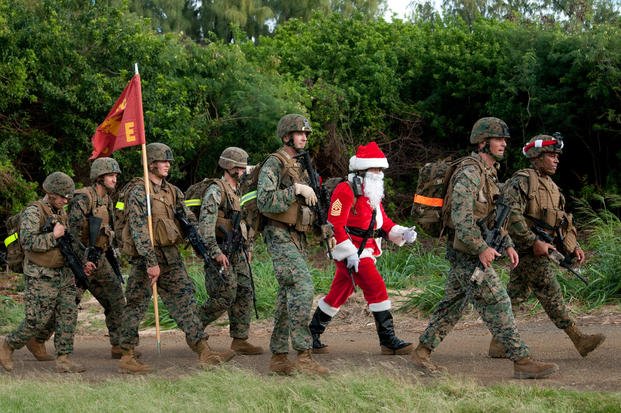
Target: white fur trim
360, 164
343, 250
381, 306
327, 308
396, 235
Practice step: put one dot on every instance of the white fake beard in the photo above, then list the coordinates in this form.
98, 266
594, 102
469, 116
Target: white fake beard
374, 188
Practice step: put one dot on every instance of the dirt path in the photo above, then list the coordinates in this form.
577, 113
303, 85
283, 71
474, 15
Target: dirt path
353, 344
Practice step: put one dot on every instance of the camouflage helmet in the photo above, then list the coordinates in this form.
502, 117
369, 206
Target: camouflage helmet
292, 123
486, 128
60, 184
103, 166
539, 144
233, 157
159, 152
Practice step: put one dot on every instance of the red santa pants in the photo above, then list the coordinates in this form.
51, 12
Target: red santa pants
367, 278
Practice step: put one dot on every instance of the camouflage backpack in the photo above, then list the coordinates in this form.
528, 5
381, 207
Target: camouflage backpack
121, 229
14, 251
196, 192
431, 194
255, 221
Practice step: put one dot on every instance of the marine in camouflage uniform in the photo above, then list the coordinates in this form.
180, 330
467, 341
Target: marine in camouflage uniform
161, 264
471, 196
50, 295
284, 198
229, 285
536, 200
104, 285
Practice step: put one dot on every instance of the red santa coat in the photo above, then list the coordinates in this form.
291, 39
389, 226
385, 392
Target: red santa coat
345, 210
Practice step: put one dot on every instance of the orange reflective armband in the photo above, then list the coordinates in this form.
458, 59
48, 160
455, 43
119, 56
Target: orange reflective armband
423, 200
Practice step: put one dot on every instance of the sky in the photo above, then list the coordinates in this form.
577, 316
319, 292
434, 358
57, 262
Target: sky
398, 6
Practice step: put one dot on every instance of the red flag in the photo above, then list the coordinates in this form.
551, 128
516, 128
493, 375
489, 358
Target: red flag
124, 125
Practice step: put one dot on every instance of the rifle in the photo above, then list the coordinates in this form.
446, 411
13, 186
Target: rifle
233, 242
562, 260
321, 207
194, 238
93, 253
493, 238
71, 258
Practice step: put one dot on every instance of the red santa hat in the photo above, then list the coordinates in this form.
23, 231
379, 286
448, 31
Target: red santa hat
368, 156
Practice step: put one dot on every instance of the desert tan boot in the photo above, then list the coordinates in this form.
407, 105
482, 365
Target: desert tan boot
6, 354
280, 364
306, 364
129, 364
207, 357
116, 353
527, 368
65, 365
242, 346
421, 358
496, 349
584, 343
38, 350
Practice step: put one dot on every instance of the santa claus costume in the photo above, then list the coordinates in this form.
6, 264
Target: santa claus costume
360, 222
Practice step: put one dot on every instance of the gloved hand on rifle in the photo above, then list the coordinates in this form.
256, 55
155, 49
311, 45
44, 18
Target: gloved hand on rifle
352, 262
409, 235
307, 192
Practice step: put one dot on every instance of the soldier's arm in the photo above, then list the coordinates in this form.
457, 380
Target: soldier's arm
207, 219
269, 197
77, 221
138, 228
465, 192
516, 196
30, 236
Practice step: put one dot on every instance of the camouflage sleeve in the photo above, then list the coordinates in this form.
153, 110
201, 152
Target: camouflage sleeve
76, 219
137, 221
207, 219
269, 197
515, 193
30, 236
465, 191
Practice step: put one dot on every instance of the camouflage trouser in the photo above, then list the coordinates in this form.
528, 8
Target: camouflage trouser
232, 292
49, 300
536, 274
175, 288
490, 299
295, 293
108, 290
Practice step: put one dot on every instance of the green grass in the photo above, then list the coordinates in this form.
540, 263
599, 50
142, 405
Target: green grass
11, 313
233, 390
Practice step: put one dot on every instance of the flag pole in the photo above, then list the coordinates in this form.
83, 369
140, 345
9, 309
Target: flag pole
147, 189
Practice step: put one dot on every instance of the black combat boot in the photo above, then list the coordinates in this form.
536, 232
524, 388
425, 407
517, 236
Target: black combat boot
389, 342
317, 326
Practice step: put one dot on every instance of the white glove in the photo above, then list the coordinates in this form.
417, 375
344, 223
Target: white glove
331, 243
353, 261
409, 235
307, 192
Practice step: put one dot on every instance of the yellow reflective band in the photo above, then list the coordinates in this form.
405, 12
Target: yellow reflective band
193, 202
120, 206
248, 197
11, 239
